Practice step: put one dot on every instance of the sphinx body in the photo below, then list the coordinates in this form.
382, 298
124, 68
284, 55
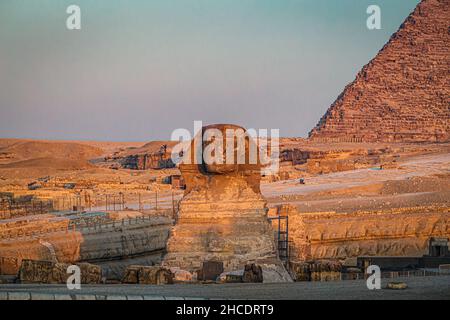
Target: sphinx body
222, 216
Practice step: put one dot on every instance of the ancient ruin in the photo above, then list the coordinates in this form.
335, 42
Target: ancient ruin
371, 185
402, 95
222, 215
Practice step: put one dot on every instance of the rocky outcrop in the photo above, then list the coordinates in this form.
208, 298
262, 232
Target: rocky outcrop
147, 161
393, 232
403, 94
154, 155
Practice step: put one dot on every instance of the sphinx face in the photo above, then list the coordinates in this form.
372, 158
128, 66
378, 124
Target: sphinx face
225, 149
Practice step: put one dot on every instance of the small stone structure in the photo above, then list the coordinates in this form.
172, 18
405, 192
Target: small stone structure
147, 275
210, 270
389, 232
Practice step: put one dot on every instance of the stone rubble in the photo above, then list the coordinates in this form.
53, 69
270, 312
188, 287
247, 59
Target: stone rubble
158, 275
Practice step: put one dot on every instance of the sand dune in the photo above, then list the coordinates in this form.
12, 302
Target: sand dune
32, 149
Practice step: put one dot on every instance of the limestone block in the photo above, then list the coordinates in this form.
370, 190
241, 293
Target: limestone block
210, 270
301, 270
252, 273
182, 275
155, 275
147, 275
90, 274
35, 271
131, 275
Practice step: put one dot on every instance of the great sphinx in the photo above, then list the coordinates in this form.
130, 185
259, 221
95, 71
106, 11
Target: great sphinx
222, 215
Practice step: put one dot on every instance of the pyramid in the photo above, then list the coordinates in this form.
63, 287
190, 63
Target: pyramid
403, 94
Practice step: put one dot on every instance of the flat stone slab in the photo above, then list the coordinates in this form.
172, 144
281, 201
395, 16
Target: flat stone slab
42, 296
85, 297
116, 297
18, 296
154, 298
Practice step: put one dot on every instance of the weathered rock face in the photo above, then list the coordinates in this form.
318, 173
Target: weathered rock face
393, 232
222, 215
403, 94
147, 161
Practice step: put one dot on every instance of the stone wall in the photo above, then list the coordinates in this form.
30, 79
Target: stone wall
19, 227
116, 241
403, 94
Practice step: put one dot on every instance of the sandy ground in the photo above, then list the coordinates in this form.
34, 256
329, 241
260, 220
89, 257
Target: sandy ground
420, 180
419, 166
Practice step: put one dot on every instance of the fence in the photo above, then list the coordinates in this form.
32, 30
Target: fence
85, 201
10, 208
119, 202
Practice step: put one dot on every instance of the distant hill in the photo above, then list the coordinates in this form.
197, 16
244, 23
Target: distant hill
18, 150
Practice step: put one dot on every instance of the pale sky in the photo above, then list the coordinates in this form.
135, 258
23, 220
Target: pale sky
137, 70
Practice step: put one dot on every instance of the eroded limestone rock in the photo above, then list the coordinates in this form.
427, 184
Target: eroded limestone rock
210, 270
252, 273
147, 275
222, 216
